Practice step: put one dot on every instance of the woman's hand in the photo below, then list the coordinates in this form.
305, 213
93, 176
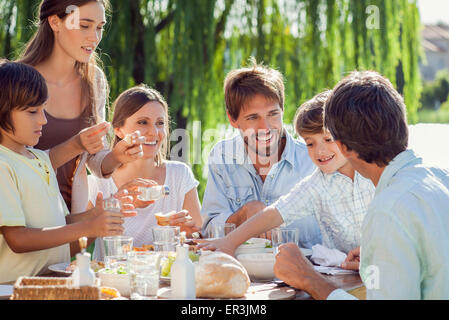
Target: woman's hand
185, 222
124, 152
91, 139
132, 190
127, 203
352, 261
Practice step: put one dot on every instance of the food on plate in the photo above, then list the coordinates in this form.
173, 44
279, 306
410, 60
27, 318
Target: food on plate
167, 263
258, 242
163, 219
193, 245
94, 265
118, 270
145, 247
219, 275
117, 278
108, 293
253, 245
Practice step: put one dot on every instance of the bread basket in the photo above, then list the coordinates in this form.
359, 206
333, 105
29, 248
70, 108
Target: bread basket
49, 288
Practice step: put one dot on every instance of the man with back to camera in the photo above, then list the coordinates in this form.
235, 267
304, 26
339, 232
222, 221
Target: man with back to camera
404, 251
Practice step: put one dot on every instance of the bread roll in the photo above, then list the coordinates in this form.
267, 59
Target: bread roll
219, 275
163, 219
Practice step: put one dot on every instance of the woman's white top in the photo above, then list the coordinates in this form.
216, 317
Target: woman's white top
178, 177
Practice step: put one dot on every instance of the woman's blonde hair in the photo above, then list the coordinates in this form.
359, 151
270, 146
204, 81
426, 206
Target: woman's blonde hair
131, 101
41, 45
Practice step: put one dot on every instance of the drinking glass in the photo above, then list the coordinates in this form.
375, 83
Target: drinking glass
165, 238
116, 251
144, 274
112, 204
283, 235
220, 230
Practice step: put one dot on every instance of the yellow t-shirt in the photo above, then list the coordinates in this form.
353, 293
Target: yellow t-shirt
29, 197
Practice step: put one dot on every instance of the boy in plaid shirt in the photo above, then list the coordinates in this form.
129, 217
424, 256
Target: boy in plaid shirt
335, 193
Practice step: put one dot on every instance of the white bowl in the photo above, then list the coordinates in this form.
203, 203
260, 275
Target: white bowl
253, 245
117, 281
258, 265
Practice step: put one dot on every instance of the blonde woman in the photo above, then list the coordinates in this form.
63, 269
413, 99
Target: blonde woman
144, 109
63, 51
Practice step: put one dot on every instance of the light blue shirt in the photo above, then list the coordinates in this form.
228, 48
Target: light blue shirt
405, 234
233, 181
337, 202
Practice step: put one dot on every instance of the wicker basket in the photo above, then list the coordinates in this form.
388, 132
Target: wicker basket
41, 288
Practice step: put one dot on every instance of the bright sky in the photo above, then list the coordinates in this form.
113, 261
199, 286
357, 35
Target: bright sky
433, 11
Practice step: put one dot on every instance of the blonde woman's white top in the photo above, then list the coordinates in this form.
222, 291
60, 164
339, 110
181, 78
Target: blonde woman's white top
179, 178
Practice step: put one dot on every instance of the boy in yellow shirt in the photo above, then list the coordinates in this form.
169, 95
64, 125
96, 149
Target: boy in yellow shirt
35, 225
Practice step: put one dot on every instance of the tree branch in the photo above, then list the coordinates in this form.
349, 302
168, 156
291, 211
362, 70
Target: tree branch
219, 29
166, 21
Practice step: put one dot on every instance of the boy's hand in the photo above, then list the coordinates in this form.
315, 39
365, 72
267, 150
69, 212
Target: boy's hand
221, 244
104, 223
126, 153
352, 261
91, 139
132, 189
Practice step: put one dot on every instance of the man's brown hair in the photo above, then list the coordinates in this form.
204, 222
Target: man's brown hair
368, 115
243, 84
309, 116
21, 87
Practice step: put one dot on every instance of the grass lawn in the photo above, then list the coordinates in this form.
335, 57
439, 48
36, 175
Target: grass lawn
431, 116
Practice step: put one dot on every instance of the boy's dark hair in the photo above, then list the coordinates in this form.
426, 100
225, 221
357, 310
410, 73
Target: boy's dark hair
243, 84
309, 116
21, 86
367, 114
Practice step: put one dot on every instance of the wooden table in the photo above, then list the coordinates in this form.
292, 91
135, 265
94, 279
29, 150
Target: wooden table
351, 283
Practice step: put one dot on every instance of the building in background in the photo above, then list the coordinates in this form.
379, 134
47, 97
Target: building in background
435, 42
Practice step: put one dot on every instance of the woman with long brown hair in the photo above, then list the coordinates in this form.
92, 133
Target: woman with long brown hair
144, 109
63, 51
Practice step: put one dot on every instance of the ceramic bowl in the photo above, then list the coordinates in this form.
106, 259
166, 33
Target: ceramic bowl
114, 280
258, 265
253, 245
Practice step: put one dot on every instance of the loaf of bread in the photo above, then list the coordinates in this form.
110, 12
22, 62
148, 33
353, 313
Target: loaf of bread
219, 275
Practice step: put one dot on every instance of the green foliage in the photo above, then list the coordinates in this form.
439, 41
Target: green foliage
434, 116
435, 93
184, 48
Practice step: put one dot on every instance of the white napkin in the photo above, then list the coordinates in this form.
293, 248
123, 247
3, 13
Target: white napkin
333, 270
326, 257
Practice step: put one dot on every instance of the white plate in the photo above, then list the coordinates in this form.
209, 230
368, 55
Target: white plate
5, 292
306, 252
60, 268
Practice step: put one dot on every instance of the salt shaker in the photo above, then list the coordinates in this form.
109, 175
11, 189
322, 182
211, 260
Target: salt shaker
83, 274
153, 193
183, 275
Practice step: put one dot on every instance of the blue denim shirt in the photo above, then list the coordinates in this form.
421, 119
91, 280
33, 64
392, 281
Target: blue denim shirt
233, 181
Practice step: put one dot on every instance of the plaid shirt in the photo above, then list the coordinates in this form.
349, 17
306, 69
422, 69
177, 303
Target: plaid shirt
338, 204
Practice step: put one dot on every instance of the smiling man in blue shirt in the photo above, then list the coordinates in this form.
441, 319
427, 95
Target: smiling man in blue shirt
404, 250
262, 163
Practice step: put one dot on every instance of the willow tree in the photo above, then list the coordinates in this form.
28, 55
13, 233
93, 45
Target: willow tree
184, 48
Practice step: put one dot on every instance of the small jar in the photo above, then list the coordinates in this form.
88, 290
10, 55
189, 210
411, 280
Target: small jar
153, 193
